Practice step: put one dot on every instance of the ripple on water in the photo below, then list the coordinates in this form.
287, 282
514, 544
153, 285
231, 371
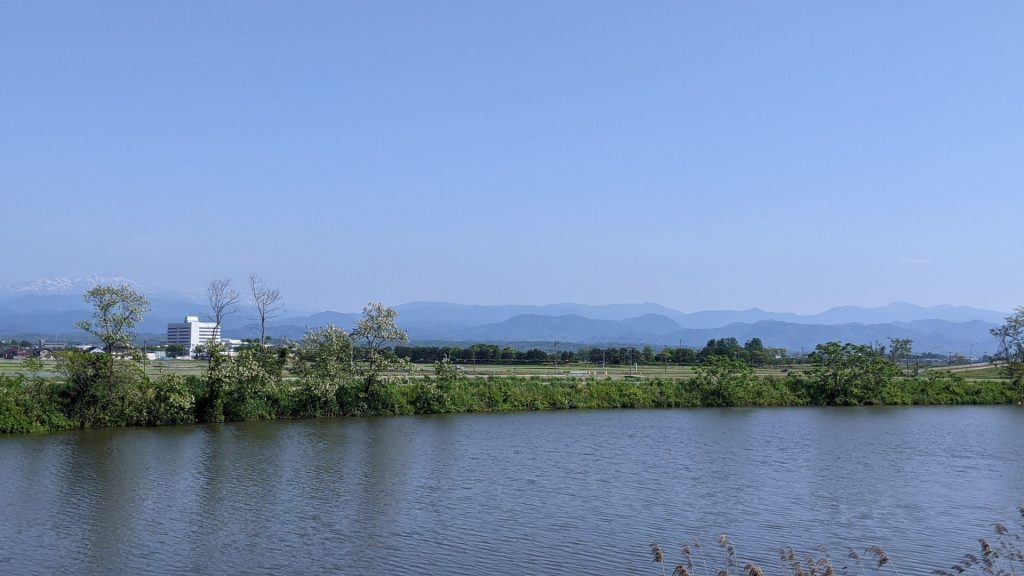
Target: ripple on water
538, 493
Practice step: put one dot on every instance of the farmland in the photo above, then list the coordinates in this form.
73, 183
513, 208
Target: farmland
186, 367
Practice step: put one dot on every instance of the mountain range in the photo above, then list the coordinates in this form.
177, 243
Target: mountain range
49, 308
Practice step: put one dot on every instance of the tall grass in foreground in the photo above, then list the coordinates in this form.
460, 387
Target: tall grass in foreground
1003, 556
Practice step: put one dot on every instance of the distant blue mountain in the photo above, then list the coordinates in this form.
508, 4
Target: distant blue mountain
574, 328
50, 313
428, 314
903, 312
938, 336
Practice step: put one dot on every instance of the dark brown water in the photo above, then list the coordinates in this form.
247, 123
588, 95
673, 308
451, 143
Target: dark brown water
534, 493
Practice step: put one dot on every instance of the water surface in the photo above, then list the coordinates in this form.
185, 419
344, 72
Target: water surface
528, 493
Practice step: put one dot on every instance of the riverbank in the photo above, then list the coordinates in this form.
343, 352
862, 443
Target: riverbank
127, 397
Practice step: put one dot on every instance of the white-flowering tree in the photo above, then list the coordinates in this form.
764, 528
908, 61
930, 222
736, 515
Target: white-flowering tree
324, 353
373, 332
116, 311
1011, 348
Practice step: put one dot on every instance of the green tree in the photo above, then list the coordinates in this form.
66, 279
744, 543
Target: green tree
323, 361
324, 353
117, 309
849, 374
30, 405
1011, 348
374, 331
900, 349
171, 401
252, 386
434, 396
647, 354
723, 381
175, 350
213, 386
97, 391
665, 356
755, 352
33, 365
722, 347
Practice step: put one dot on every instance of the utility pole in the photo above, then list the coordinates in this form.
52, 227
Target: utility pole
554, 357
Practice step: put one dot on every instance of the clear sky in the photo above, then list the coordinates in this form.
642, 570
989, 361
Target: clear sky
720, 154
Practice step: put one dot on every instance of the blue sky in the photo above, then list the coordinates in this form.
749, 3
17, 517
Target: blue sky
787, 155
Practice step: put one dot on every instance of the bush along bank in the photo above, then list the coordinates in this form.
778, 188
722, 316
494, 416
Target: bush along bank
98, 390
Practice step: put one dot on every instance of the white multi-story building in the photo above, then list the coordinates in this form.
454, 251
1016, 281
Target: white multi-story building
192, 333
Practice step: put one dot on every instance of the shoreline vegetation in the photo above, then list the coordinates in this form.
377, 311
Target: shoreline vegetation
99, 391
332, 373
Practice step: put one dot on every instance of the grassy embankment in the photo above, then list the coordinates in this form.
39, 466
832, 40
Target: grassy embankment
93, 391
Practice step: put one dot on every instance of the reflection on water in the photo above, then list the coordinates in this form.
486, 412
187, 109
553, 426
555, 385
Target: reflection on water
536, 493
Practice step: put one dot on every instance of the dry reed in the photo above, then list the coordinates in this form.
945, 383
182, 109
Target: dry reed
1003, 556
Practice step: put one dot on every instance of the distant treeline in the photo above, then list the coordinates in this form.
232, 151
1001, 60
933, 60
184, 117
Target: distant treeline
752, 352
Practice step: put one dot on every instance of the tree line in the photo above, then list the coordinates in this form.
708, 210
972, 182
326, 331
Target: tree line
753, 352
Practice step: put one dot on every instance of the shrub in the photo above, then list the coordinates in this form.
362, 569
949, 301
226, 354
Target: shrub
253, 388
30, 405
103, 391
386, 398
316, 396
431, 397
173, 401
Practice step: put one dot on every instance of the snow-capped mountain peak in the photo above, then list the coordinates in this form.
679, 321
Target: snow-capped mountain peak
65, 285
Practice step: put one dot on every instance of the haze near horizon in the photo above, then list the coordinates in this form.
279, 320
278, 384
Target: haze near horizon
703, 156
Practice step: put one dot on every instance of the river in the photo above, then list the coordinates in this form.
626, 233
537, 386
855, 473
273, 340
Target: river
572, 492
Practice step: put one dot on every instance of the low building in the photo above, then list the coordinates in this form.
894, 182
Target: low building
16, 353
231, 345
90, 348
192, 333
46, 349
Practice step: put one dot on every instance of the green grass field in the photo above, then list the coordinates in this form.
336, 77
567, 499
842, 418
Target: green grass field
974, 373
670, 371
12, 367
155, 368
